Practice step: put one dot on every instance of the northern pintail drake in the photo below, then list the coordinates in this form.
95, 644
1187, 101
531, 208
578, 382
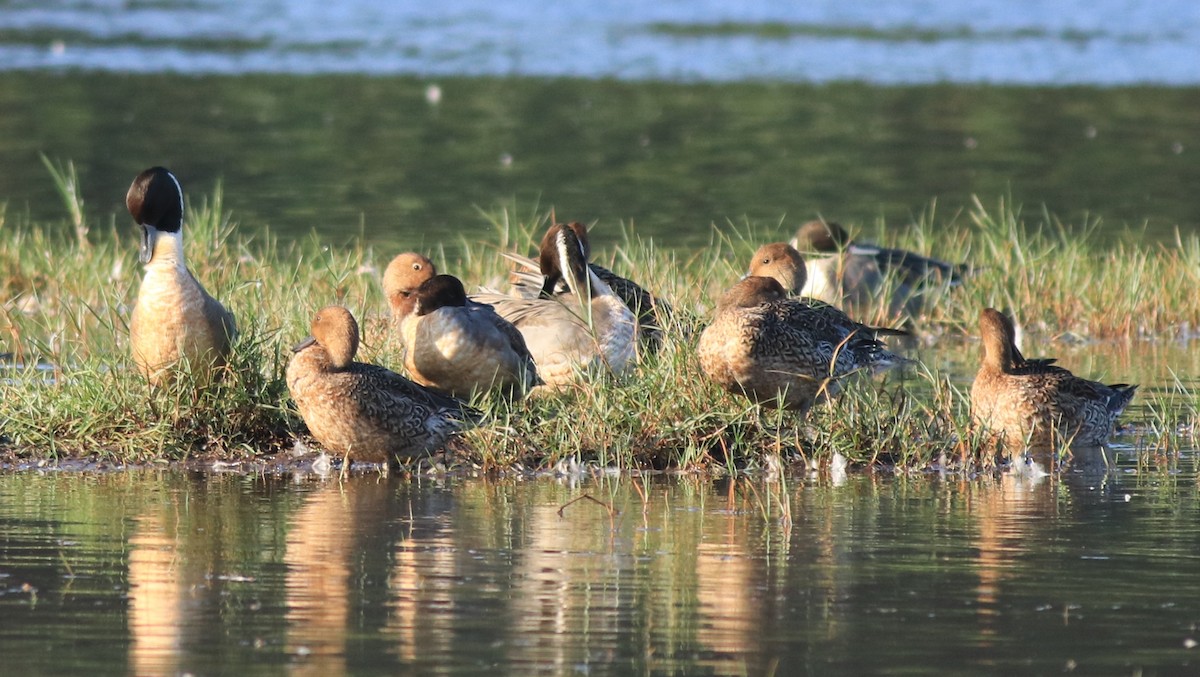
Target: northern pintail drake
785, 352
362, 411
569, 334
403, 275
653, 313
174, 321
1034, 403
853, 273
462, 348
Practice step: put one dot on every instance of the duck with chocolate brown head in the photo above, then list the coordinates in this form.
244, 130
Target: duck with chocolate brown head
175, 324
570, 333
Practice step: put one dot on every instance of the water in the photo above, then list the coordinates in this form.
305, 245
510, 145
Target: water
1106, 42
399, 122
675, 116
169, 572
351, 155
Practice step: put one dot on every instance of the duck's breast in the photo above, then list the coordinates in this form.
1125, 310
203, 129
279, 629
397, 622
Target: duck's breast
173, 319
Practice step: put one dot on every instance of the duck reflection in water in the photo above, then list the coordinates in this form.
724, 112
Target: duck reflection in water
352, 544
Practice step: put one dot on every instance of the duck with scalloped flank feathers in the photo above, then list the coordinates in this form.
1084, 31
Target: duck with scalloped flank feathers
787, 352
854, 274
1035, 403
362, 411
570, 334
175, 321
653, 313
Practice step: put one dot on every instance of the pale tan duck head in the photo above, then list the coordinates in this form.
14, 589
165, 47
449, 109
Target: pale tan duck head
403, 275
336, 331
779, 261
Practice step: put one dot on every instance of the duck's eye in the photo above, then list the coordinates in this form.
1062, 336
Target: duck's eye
417, 266
766, 260
406, 294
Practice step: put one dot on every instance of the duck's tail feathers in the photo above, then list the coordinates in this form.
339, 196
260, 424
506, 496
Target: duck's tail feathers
1121, 396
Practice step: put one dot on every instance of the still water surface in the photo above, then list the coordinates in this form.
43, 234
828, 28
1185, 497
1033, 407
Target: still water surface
351, 155
168, 572
673, 115
1101, 42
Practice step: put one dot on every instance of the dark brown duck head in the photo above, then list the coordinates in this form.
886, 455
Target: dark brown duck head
780, 261
822, 236
997, 333
439, 291
750, 292
155, 201
403, 276
562, 256
335, 330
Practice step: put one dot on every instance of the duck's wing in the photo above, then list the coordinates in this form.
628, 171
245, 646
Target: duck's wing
839, 340
834, 315
912, 266
516, 340
220, 318
388, 386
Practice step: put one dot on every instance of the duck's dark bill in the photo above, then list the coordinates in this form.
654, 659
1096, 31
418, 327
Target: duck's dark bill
303, 344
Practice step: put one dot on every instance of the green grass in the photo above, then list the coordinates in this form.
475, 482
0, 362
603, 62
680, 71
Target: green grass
69, 389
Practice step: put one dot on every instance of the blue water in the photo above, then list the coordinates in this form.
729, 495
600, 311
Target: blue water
1094, 42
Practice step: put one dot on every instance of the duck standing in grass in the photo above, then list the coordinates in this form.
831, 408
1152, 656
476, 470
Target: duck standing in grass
462, 348
361, 411
569, 334
854, 274
174, 321
783, 352
653, 313
1034, 403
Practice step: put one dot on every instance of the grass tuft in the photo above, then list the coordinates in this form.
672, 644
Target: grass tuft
69, 389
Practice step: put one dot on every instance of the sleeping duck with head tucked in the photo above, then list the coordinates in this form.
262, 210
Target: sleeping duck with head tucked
570, 333
848, 273
653, 313
362, 411
175, 321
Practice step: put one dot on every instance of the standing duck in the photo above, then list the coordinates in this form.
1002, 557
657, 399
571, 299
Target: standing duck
783, 352
570, 333
652, 313
362, 411
1033, 402
853, 273
460, 347
174, 319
